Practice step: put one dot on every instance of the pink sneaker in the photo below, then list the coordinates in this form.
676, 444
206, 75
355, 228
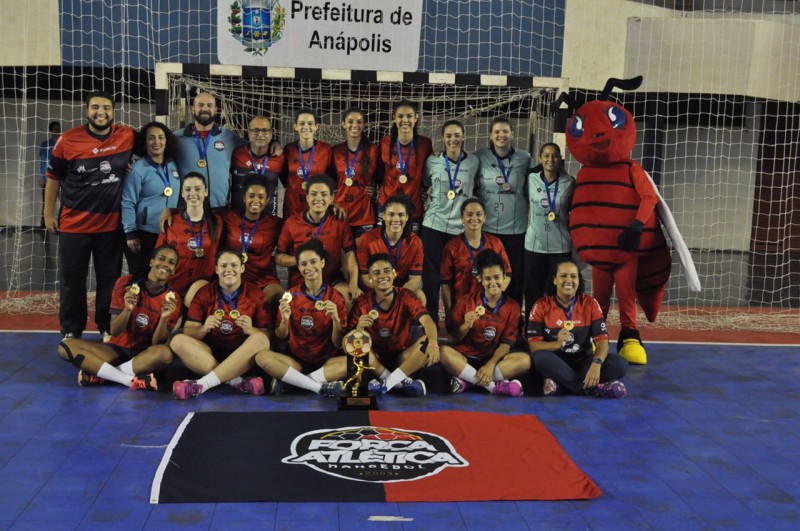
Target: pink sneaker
458, 385
508, 388
86, 379
253, 385
615, 389
186, 389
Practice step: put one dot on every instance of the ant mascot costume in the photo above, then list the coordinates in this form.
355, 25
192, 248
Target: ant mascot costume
613, 223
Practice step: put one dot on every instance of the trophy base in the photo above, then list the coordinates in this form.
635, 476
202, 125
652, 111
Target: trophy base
356, 403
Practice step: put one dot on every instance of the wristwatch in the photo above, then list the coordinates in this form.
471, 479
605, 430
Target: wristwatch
597, 360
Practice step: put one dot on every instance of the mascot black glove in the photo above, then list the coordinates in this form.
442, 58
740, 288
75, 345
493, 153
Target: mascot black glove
631, 237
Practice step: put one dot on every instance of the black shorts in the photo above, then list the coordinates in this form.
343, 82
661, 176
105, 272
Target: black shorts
126, 354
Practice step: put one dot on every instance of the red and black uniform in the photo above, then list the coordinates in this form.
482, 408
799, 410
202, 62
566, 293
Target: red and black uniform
295, 199
405, 256
499, 325
310, 329
391, 331
256, 238
138, 335
360, 166
548, 316
392, 160
335, 235
91, 170
186, 237
247, 300
244, 162
458, 263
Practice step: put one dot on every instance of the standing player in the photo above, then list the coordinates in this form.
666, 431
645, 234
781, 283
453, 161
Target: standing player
386, 314
225, 328
304, 158
255, 157
564, 328
145, 310
207, 148
404, 152
87, 167
502, 185
482, 330
451, 179
395, 238
353, 165
310, 316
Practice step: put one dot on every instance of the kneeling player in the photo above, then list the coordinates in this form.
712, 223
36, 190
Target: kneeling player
225, 328
482, 331
386, 313
144, 310
310, 315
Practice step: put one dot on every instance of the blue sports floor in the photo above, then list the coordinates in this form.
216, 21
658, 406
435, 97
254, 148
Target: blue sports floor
708, 438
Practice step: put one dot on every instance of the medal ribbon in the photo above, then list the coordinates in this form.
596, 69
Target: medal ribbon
231, 300
568, 311
403, 164
202, 146
351, 167
551, 202
315, 298
254, 160
394, 257
198, 239
247, 241
305, 170
469, 248
161, 171
321, 223
375, 305
499, 302
505, 173
452, 177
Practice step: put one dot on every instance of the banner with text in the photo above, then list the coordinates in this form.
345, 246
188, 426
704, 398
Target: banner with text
345, 34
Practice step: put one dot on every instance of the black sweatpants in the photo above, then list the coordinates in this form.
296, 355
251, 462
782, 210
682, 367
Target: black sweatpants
514, 244
433, 242
570, 377
139, 263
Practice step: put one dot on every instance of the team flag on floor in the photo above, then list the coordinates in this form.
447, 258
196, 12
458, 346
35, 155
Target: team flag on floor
366, 456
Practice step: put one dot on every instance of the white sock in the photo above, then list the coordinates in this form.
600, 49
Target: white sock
127, 367
233, 382
318, 375
111, 373
300, 380
470, 374
498, 374
395, 378
385, 374
209, 381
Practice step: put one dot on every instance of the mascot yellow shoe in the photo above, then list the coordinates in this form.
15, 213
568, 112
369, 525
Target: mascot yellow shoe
630, 347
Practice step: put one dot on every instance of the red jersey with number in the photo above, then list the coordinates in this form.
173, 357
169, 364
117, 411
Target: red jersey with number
354, 199
499, 325
458, 263
405, 256
229, 336
334, 234
138, 334
91, 169
547, 318
295, 199
245, 162
391, 184
310, 329
391, 331
258, 239
187, 237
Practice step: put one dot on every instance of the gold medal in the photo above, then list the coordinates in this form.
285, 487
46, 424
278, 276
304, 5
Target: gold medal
505, 187
551, 216
373, 314
403, 179
451, 195
569, 325
135, 289
168, 191
480, 310
304, 186
234, 314
170, 296
244, 257
319, 305
348, 181
286, 297
219, 313
199, 252
202, 163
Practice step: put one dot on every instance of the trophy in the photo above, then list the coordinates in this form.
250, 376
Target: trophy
357, 345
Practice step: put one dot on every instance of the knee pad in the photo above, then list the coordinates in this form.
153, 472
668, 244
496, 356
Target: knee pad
75, 361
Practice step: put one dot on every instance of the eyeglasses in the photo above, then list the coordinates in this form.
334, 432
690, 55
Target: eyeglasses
260, 131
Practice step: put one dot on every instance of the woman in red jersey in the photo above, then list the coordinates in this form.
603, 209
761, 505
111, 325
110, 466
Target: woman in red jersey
305, 158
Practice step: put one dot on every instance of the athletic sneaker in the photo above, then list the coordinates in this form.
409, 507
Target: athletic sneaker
146, 382
106, 337
86, 379
184, 389
252, 385
414, 387
508, 388
331, 389
550, 387
615, 389
72, 335
457, 385
377, 386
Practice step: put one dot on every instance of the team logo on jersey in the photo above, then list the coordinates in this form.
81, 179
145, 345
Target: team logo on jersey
142, 320
385, 332
219, 145
374, 454
226, 327
192, 244
175, 174
458, 183
80, 169
544, 203
499, 180
105, 166
307, 322
490, 333
257, 24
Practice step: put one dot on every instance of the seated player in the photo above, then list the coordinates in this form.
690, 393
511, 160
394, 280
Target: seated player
386, 314
255, 231
482, 331
396, 239
458, 271
320, 223
143, 311
225, 328
310, 315
561, 328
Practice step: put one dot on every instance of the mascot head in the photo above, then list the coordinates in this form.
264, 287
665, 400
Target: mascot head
601, 132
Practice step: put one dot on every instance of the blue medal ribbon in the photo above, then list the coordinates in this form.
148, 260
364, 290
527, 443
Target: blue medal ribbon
394, 257
161, 171
231, 300
254, 160
198, 239
375, 305
568, 311
202, 146
350, 171
453, 177
402, 165
499, 302
506, 173
305, 170
249, 239
315, 298
321, 223
551, 202
469, 249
